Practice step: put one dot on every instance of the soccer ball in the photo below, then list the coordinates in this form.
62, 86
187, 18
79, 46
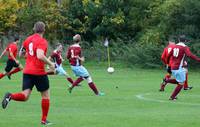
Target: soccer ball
110, 70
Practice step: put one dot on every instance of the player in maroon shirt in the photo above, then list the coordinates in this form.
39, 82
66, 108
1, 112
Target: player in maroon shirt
12, 59
75, 59
164, 57
35, 48
167, 78
56, 56
176, 60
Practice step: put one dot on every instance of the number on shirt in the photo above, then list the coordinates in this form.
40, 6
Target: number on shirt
30, 47
169, 50
72, 53
175, 52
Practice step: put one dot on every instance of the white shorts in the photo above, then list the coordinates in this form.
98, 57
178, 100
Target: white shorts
179, 75
60, 70
80, 71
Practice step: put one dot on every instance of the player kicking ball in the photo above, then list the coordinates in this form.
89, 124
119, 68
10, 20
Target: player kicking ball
167, 79
12, 61
56, 56
75, 59
35, 49
176, 58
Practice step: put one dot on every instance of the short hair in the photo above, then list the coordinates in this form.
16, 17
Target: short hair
77, 38
182, 38
16, 38
39, 27
58, 44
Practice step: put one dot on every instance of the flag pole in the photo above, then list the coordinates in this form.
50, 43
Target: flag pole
108, 54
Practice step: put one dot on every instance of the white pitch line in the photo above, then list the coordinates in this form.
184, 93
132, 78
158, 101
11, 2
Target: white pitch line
141, 97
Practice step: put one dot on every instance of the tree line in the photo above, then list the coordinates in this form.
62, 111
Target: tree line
137, 30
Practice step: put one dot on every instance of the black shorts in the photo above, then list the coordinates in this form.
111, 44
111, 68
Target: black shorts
169, 70
41, 82
10, 64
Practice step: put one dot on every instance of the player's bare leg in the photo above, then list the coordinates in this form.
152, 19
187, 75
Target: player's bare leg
45, 104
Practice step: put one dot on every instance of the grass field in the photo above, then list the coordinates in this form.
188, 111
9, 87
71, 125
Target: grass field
132, 100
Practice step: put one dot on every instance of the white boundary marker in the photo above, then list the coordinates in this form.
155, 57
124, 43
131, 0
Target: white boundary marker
142, 97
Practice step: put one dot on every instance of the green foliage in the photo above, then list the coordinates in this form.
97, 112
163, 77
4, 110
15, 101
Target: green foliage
130, 25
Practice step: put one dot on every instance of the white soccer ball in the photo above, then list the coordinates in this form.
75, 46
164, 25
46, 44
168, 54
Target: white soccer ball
110, 70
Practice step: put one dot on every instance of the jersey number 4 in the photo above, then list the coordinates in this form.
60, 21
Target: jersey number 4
175, 52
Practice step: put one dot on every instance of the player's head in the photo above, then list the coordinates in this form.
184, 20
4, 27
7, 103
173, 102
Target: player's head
172, 40
16, 39
59, 47
39, 27
182, 38
77, 38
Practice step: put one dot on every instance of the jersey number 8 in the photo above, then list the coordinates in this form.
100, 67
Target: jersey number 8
30, 47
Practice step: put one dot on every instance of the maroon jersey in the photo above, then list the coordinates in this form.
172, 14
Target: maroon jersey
56, 56
74, 50
12, 47
33, 65
177, 56
166, 53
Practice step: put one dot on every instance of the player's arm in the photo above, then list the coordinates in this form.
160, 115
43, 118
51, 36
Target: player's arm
22, 52
12, 56
191, 55
163, 57
42, 57
4, 51
68, 54
82, 59
62, 58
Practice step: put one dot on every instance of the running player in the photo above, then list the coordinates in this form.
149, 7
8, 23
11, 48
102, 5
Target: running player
12, 60
56, 56
76, 59
35, 48
167, 78
176, 60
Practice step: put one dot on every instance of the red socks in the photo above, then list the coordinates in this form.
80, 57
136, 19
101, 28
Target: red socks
45, 109
186, 81
176, 91
70, 80
75, 83
14, 71
167, 76
18, 97
1, 75
173, 81
93, 87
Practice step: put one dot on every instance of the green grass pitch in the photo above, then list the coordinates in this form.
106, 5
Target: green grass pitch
132, 100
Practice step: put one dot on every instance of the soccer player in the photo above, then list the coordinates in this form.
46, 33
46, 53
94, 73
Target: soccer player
75, 59
164, 57
176, 60
167, 78
12, 60
35, 48
56, 56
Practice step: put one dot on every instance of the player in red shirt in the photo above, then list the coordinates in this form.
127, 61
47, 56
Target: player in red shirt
75, 59
56, 56
12, 60
176, 60
167, 78
35, 48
